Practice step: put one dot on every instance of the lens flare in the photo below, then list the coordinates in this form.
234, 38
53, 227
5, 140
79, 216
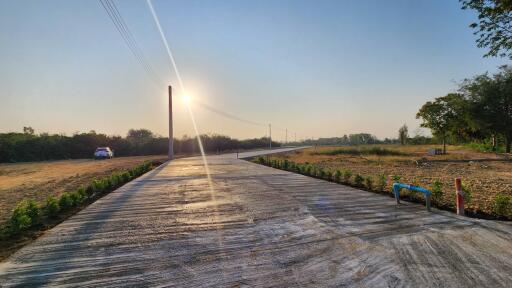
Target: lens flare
187, 99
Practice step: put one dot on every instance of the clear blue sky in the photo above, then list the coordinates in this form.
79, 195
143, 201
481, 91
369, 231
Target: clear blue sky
319, 68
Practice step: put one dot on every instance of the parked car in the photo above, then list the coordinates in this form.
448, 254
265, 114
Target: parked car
103, 153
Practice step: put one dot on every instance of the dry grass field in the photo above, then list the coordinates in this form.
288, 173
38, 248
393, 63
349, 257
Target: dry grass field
38, 180
485, 174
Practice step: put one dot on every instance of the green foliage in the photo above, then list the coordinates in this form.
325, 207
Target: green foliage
76, 198
320, 173
25, 215
328, 175
493, 28
381, 182
369, 182
51, 207
260, 160
502, 205
380, 151
437, 190
337, 176
28, 146
358, 180
468, 195
347, 174
65, 201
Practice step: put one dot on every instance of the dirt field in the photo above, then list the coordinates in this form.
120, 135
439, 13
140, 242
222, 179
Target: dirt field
38, 180
485, 174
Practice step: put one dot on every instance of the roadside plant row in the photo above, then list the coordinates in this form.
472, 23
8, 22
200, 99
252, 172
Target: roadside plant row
30, 216
382, 183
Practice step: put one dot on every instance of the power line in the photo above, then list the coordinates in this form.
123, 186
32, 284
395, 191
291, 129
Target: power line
230, 116
118, 21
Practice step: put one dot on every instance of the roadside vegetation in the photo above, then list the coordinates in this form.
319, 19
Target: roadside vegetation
487, 183
29, 218
29, 146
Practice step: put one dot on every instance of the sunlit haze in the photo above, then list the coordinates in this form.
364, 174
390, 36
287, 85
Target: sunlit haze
318, 68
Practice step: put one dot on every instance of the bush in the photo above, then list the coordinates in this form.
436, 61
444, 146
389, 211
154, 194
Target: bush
34, 212
467, 193
260, 160
51, 207
286, 164
369, 182
501, 205
320, 173
437, 190
65, 201
381, 184
358, 180
337, 176
76, 198
328, 175
347, 174
25, 215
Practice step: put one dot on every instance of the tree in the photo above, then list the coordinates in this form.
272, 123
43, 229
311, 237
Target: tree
28, 130
403, 134
443, 116
494, 26
491, 103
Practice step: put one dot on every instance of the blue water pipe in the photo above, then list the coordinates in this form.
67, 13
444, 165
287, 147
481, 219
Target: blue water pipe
397, 186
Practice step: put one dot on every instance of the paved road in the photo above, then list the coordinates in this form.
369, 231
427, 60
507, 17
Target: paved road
260, 227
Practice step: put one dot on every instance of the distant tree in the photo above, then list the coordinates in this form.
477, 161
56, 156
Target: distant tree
494, 26
403, 134
28, 130
442, 115
491, 103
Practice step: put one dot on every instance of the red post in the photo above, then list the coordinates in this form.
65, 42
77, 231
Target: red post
460, 196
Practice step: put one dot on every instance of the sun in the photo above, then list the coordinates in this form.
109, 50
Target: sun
187, 99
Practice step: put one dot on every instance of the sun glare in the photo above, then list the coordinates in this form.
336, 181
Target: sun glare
187, 99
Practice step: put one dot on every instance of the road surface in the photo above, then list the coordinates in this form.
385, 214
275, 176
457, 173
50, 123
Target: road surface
260, 227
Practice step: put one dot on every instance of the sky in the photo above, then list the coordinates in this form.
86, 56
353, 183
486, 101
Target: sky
317, 68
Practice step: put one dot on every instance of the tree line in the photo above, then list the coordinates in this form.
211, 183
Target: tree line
29, 146
480, 111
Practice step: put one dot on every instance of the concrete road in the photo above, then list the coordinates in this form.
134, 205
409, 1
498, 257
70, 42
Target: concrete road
260, 227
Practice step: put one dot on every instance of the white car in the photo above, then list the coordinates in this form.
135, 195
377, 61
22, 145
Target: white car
103, 153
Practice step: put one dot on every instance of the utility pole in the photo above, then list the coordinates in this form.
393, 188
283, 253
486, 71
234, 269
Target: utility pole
270, 134
170, 154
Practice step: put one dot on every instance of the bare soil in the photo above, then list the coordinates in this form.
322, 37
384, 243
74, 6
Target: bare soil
485, 174
38, 180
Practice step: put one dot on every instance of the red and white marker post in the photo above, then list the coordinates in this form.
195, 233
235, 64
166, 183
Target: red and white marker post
460, 196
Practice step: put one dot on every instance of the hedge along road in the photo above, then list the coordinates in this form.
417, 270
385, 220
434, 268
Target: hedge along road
260, 227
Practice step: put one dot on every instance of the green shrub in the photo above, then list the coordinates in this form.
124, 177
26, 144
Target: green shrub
328, 175
337, 176
260, 160
501, 205
65, 201
51, 207
358, 180
98, 186
369, 182
76, 198
286, 164
25, 215
309, 170
437, 190
347, 174
34, 212
320, 173
468, 195
381, 184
